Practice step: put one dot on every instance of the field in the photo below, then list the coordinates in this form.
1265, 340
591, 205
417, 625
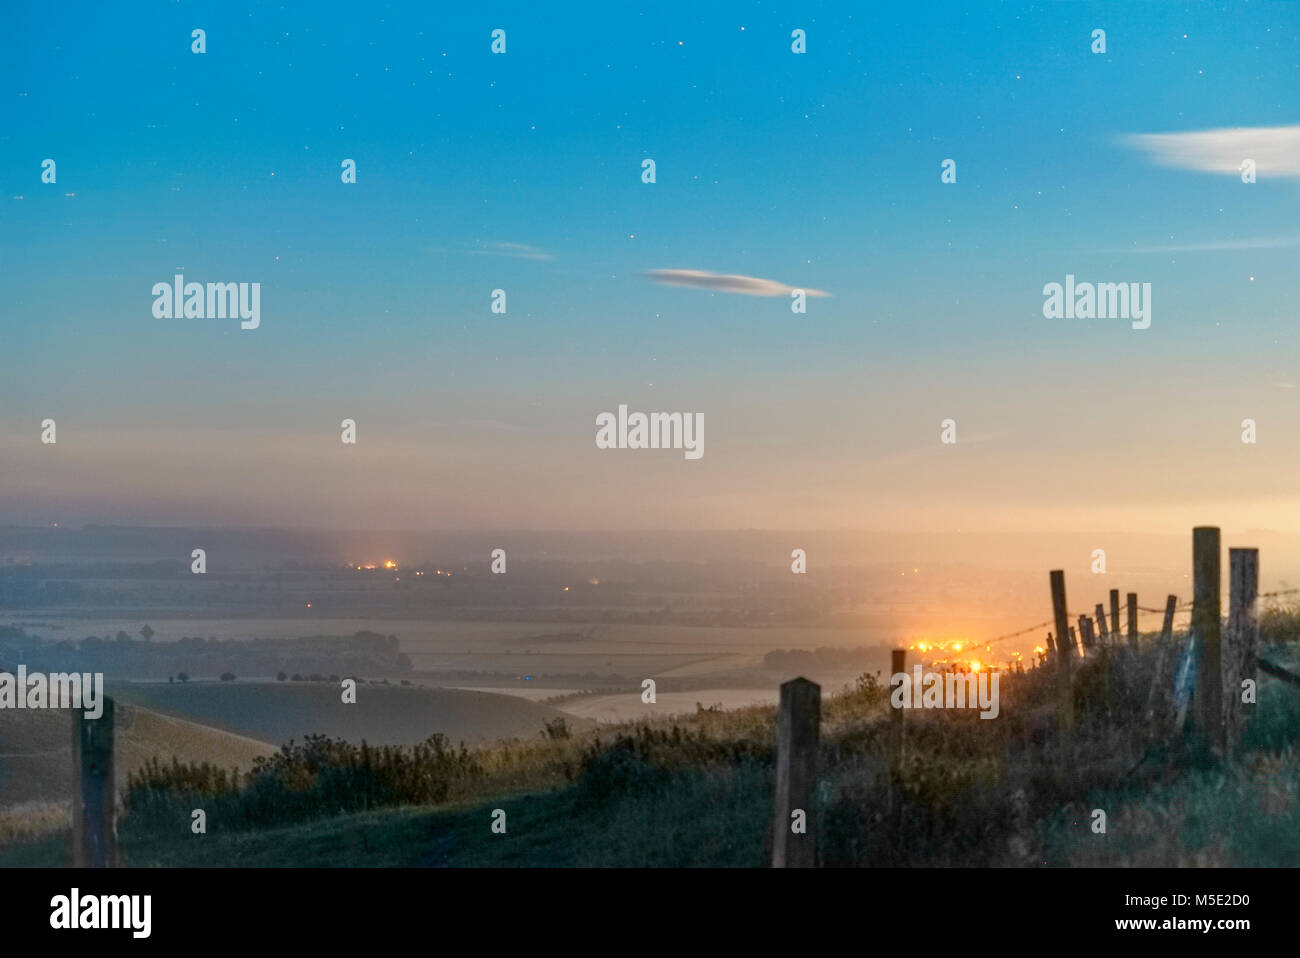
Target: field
628, 707
696, 789
517, 647
36, 759
274, 713
593, 673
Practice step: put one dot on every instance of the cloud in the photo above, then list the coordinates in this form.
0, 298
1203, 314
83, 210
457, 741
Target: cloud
1214, 246
516, 250
1275, 149
725, 283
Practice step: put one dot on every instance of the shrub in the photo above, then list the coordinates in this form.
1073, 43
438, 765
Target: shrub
320, 776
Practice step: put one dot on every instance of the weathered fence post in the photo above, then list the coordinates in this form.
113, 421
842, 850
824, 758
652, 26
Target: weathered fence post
1114, 613
898, 665
1064, 698
1093, 638
1167, 630
1240, 640
1133, 619
1205, 627
1166, 639
1057, 579
1103, 632
797, 737
94, 802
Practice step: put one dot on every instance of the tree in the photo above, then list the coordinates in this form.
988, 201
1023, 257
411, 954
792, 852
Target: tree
227, 676
147, 632
280, 676
183, 676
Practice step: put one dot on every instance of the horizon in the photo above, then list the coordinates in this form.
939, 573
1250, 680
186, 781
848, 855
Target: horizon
376, 296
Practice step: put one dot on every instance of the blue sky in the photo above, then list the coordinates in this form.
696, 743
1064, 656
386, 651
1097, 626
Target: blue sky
522, 171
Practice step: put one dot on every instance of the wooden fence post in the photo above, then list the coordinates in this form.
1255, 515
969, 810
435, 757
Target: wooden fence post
1240, 639
1103, 632
1057, 579
797, 738
897, 665
1064, 698
1205, 627
1166, 639
1085, 631
1167, 630
1114, 613
94, 802
1133, 619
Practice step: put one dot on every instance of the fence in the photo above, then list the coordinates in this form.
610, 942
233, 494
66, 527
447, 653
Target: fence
1226, 659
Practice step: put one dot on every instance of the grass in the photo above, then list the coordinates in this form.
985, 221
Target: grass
697, 790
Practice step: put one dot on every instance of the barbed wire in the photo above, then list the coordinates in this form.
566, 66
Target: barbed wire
1186, 606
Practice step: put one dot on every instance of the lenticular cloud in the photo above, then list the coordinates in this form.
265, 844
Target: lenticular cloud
727, 283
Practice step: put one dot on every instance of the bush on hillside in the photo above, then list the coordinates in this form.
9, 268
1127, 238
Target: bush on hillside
320, 776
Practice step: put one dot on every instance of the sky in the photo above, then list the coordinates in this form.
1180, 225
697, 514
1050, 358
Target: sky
522, 171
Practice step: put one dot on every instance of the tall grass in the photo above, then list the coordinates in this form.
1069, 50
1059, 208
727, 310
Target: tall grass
320, 776
945, 788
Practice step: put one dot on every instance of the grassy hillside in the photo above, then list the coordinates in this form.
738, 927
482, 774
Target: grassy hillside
382, 715
697, 790
36, 749
36, 761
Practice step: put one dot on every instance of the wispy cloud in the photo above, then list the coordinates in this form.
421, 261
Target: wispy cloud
727, 283
1211, 246
1275, 149
515, 250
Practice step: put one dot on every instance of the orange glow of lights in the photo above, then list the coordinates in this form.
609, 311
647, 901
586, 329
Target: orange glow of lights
974, 665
